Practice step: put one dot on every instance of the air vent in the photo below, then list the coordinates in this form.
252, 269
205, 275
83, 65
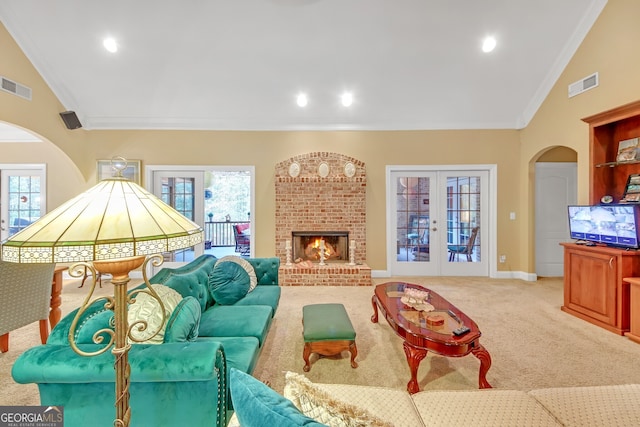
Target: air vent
583, 85
15, 88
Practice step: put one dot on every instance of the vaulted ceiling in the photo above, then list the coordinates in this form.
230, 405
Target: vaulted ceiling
213, 64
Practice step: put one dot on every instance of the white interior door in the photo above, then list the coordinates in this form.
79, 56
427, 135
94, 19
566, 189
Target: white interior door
438, 221
22, 197
556, 188
184, 191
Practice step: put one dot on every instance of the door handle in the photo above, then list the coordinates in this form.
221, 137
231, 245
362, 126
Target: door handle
434, 229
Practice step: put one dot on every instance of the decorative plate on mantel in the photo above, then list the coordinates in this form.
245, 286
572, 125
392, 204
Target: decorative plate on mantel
323, 170
349, 169
294, 169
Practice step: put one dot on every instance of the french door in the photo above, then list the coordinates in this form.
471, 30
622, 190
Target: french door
438, 221
22, 197
191, 189
182, 190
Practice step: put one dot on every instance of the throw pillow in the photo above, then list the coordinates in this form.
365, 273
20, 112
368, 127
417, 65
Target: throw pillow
246, 265
241, 227
184, 321
319, 405
257, 405
146, 308
228, 282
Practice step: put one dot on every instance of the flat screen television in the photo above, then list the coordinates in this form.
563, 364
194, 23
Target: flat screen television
612, 225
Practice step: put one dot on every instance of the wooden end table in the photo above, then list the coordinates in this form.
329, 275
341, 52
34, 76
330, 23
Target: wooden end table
419, 335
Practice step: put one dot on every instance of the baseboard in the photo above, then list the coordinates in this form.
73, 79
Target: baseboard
530, 277
380, 273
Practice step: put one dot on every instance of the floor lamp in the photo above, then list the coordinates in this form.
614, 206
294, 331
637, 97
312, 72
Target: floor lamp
112, 228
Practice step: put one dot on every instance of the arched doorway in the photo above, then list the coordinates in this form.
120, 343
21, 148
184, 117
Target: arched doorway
36, 176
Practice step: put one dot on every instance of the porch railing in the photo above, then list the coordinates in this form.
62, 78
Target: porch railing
220, 233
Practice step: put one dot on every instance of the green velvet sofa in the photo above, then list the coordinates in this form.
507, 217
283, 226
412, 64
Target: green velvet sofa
181, 382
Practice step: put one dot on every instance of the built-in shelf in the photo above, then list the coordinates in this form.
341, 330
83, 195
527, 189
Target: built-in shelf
614, 164
606, 130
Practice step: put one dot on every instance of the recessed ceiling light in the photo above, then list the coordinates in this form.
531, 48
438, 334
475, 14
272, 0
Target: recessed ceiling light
302, 100
488, 44
347, 99
110, 44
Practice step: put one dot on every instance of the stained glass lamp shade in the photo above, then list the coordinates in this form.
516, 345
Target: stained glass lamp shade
113, 220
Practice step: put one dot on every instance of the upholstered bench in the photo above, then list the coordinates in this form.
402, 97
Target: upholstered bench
327, 331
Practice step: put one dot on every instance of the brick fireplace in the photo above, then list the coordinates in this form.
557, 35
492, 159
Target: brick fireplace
325, 194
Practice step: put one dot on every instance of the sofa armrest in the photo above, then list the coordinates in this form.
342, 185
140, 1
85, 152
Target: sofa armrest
199, 361
266, 270
592, 405
95, 317
167, 381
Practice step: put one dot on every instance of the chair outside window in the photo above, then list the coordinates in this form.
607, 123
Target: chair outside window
456, 250
420, 245
25, 295
418, 237
243, 238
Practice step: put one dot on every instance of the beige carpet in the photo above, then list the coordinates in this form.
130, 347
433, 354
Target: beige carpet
532, 343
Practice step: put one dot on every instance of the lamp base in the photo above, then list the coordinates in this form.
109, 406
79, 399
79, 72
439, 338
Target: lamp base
120, 269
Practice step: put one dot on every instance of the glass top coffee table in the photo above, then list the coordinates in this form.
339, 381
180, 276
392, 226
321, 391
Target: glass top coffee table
430, 325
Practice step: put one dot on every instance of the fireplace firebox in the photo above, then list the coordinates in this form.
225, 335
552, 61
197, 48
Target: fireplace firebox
306, 246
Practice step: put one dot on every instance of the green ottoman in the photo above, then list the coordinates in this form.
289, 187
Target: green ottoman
327, 331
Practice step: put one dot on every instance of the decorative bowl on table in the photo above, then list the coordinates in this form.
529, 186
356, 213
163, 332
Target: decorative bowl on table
417, 299
416, 296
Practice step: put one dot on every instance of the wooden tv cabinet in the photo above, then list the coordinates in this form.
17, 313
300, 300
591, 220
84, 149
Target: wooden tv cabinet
594, 286
634, 326
594, 289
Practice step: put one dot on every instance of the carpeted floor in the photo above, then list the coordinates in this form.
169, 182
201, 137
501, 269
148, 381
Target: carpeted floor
532, 343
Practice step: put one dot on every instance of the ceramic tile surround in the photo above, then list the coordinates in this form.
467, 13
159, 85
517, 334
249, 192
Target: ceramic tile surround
322, 191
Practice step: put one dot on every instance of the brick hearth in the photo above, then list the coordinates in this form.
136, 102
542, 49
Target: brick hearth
318, 194
328, 275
